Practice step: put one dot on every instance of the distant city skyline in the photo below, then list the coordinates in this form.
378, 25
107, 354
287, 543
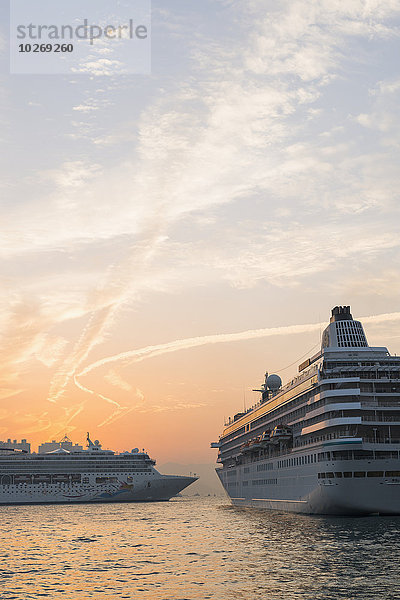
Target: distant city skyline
168, 238
42, 447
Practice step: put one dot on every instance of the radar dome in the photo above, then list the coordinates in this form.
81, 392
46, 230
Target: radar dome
274, 382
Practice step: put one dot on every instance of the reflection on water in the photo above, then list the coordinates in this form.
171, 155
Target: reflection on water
194, 548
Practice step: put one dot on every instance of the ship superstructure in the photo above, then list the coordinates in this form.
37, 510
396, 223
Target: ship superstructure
92, 475
328, 442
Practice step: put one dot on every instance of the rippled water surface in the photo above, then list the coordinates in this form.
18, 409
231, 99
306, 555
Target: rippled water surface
194, 548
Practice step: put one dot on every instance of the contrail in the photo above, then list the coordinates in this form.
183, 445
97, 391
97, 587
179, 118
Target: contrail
88, 339
116, 288
89, 391
184, 344
118, 412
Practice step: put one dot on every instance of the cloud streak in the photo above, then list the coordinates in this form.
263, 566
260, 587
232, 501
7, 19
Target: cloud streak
118, 411
185, 344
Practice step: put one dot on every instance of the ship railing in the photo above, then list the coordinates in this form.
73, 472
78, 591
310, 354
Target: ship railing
298, 379
378, 419
379, 403
285, 451
381, 440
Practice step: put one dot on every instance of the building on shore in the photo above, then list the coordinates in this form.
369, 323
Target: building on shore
65, 444
15, 445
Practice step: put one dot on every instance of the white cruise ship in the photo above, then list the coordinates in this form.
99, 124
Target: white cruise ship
326, 443
92, 475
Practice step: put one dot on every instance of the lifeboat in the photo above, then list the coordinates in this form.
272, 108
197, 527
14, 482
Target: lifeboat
265, 438
245, 448
255, 444
280, 433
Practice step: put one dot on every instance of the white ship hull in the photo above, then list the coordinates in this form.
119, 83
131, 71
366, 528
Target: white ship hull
300, 490
162, 488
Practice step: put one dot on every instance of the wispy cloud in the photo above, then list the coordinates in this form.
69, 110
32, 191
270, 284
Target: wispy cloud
116, 380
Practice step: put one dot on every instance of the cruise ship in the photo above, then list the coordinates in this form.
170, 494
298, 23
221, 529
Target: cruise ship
328, 442
91, 475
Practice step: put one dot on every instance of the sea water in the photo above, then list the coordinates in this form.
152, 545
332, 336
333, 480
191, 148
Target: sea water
194, 548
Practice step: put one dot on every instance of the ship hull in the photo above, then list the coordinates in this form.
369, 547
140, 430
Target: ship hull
330, 502
302, 491
160, 490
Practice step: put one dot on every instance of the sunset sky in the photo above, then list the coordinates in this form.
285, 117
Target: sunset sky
250, 182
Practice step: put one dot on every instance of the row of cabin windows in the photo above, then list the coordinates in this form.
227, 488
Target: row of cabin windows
340, 433
371, 375
357, 474
323, 457
46, 470
385, 364
300, 460
74, 479
265, 466
272, 481
327, 456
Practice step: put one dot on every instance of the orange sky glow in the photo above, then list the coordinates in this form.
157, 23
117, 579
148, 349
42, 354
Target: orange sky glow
170, 399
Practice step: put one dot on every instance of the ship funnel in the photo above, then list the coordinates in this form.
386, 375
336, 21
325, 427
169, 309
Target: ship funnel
341, 313
343, 331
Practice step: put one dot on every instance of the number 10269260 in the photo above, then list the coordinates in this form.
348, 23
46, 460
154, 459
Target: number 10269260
46, 48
